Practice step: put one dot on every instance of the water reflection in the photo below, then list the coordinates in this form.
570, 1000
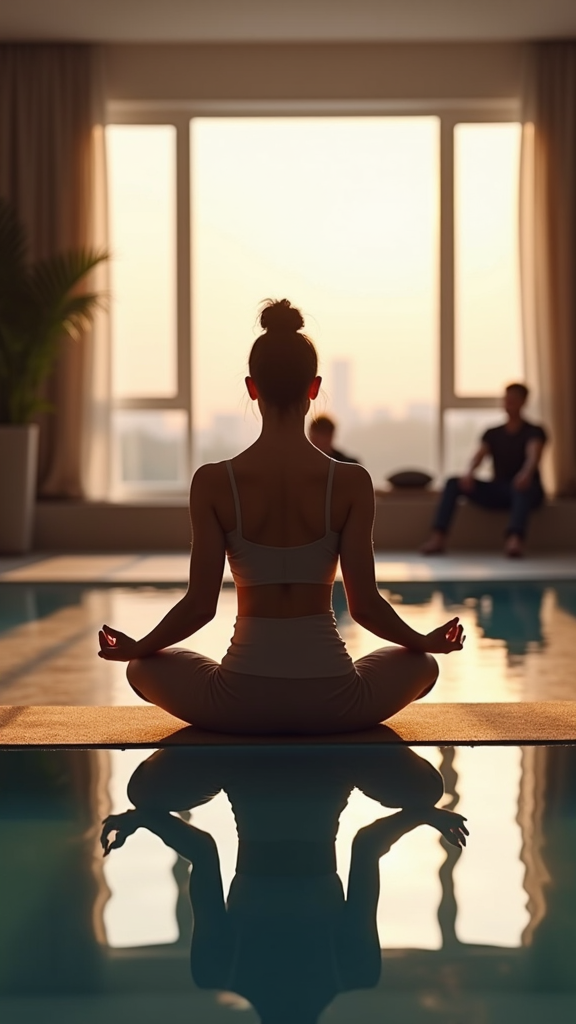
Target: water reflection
288, 936
287, 939
521, 637
509, 610
566, 596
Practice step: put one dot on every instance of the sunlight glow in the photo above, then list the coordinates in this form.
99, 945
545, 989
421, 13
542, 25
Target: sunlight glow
488, 878
340, 215
142, 197
487, 272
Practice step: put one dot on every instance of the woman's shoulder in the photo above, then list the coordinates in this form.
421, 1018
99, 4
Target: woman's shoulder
208, 477
353, 478
352, 471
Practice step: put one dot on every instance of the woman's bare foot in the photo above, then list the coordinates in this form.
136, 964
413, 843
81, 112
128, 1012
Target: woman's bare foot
514, 548
450, 824
434, 545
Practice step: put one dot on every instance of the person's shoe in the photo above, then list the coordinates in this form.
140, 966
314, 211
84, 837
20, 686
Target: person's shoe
514, 547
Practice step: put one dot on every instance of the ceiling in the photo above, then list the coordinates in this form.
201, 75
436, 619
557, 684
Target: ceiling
235, 21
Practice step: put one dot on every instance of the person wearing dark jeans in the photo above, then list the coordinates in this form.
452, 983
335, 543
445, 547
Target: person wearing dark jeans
515, 448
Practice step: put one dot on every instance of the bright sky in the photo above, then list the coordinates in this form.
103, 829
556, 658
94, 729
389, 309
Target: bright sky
142, 219
341, 216
338, 215
487, 279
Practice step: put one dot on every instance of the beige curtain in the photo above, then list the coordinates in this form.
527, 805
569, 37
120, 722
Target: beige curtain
548, 248
51, 167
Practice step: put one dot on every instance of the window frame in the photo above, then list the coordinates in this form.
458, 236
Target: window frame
150, 114
504, 111
181, 113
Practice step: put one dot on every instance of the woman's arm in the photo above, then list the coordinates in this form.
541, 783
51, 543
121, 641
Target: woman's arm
373, 841
369, 845
366, 604
360, 958
198, 606
212, 940
212, 937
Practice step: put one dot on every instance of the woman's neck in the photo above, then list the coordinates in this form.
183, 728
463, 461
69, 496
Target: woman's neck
283, 430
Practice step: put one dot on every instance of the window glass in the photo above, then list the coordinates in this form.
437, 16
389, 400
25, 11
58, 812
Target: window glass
151, 448
340, 215
463, 429
489, 876
142, 204
486, 272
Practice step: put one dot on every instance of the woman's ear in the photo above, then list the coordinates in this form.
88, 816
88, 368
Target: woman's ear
251, 388
314, 388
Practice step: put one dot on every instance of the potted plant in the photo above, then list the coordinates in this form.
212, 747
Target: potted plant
39, 304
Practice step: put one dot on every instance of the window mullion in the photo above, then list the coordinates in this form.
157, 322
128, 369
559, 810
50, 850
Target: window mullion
183, 260
447, 364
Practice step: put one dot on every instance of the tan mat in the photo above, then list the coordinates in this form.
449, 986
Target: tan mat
435, 724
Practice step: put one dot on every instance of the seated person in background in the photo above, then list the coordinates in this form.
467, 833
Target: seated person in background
515, 448
321, 434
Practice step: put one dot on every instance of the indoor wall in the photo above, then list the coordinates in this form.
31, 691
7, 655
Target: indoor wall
379, 71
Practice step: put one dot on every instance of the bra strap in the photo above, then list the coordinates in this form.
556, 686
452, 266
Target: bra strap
329, 494
236, 497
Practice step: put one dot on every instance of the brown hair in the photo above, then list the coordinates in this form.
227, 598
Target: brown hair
520, 389
283, 362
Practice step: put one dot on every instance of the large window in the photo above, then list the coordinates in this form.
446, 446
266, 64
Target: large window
396, 235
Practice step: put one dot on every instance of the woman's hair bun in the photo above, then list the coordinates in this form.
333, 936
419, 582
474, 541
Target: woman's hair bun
281, 316
283, 361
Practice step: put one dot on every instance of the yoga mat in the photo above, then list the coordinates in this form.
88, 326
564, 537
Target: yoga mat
539, 722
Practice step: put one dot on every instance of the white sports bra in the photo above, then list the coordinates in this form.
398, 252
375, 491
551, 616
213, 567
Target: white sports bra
257, 565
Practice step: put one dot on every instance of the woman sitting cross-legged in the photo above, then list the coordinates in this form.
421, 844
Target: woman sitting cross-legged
284, 513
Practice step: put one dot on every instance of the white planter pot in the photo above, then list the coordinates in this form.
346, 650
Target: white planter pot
18, 466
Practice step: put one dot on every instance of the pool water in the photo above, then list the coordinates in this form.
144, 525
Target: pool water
521, 637
321, 887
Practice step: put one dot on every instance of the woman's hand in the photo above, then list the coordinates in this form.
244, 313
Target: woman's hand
445, 639
116, 828
116, 646
450, 824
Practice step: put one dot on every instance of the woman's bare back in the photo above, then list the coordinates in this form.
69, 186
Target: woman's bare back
283, 501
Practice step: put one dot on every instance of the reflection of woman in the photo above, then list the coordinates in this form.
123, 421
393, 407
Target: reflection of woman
283, 513
286, 939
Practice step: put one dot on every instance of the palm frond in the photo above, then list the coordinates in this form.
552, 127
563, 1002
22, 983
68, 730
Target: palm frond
38, 305
56, 306
52, 279
77, 312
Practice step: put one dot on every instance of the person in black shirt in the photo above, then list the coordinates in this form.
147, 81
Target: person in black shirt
515, 448
321, 434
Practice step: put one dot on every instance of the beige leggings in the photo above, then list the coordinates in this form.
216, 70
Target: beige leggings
197, 690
